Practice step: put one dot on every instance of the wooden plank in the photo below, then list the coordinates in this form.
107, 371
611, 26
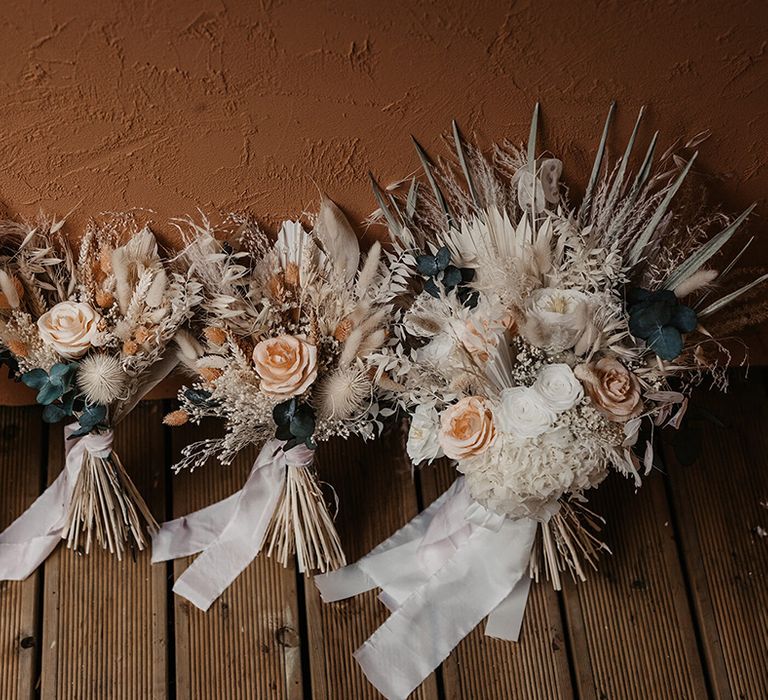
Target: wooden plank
376, 497
21, 462
104, 621
247, 646
721, 503
482, 667
630, 625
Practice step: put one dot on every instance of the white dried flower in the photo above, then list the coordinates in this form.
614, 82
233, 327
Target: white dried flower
101, 378
342, 393
525, 478
555, 318
523, 413
423, 436
558, 387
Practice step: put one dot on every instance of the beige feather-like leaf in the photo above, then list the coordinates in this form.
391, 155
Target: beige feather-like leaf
8, 288
370, 267
338, 239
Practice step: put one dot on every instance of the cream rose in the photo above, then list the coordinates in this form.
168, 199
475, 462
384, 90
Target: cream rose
287, 365
558, 387
523, 413
466, 428
423, 437
70, 328
614, 390
555, 318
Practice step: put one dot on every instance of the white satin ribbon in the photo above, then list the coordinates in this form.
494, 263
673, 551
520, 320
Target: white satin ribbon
230, 533
441, 574
28, 540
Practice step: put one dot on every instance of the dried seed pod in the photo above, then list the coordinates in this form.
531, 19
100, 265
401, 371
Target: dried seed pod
210, 374
276, 288
176, 418
343, 329
18, 347
217, 336
141, 335
105, 260
104, 299
130, 347
292, 274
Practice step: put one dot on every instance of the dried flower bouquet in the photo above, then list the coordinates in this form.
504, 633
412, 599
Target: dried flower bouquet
91, 332
540, 347
280, 352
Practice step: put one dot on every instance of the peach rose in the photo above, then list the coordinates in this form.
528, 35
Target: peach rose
287, 365
614, 390
466, 428
69, 328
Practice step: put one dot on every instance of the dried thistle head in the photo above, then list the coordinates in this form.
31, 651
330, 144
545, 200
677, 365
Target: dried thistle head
342, 393
101, 378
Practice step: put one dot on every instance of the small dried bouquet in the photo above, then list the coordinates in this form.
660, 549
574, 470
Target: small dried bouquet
281, 354
91, 332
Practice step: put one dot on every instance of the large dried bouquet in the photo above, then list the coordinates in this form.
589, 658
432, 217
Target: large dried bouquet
280, 352
539, 348
91, 332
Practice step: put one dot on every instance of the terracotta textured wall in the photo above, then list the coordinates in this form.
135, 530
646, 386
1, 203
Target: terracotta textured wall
172, 105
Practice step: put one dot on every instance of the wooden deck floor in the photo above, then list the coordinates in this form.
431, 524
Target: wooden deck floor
679, 611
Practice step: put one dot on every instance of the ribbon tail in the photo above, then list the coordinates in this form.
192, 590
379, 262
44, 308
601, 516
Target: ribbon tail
391, 565
192, 533
242, 537
421, 633
506, 618
28, 540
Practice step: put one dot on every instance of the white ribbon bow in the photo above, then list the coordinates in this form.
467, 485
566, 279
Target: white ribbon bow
28, 540
230, 533
441, 574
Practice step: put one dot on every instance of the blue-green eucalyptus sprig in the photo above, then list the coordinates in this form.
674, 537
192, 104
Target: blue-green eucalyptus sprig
660, 319
92, 417
437, 268
58, 394
54, 385
295, 423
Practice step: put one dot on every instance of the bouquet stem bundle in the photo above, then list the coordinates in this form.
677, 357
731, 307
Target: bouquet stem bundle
303, 525
567, 543
106, 506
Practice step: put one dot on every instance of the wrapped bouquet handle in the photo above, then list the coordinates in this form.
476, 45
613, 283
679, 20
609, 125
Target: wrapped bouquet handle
441, 574
59, 513
280, 508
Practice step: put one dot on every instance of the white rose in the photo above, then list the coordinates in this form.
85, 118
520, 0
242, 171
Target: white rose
423, 437
558, 387
70, 328
436, 351
555, 318
522, 412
